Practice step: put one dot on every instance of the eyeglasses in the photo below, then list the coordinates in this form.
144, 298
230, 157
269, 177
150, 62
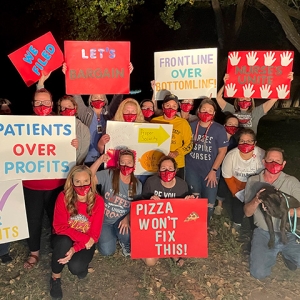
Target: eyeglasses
44, 102
246, 142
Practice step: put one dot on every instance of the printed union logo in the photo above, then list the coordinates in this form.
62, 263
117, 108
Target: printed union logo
6, 195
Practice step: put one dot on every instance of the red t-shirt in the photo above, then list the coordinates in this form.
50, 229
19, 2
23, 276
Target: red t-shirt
81, 226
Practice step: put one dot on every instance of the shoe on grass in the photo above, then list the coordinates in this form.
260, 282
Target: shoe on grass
55, 288
290, 265
6, 258
218, 210
125, 250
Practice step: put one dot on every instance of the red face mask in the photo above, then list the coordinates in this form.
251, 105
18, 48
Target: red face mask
244, 104
167, 175
42, 110
205, 116
273, 167
125, 170
231, 129
68, 112
147, 112
82, 190
186, 107
97, 103
246, 148
170, 112
129, 117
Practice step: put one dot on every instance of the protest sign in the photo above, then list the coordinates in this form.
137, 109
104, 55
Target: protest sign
13, 221
36, 148
169, 228
97, 67
42, 54
189, 74
149, 141
259, 74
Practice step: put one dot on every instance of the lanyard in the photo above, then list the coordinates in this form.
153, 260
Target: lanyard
204, 135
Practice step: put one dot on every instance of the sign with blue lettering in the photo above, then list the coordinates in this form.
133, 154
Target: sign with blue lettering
36, 148
189, 74
42, 54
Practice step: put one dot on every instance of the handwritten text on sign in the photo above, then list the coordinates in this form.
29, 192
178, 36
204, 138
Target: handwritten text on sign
35, 147
42, 54
259, 74
97, 67
13, 222
169, 228
186, 73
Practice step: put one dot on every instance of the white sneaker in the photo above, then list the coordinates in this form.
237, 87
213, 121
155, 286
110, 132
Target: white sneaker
125, 250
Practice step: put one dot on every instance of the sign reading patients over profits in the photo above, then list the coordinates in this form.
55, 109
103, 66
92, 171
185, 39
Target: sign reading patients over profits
42, 54
149, 141
13, 221
259, 74
33, 147
97, 67
169, 228
189, 74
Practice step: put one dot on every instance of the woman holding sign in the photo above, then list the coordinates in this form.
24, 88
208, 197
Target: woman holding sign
244, 108
181, 143
162, 186
78, 218
119, 187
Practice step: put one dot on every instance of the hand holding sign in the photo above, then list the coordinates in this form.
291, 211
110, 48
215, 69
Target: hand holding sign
269, 58
248, 92
230, 90
251, 58
234, 58
282, 91
265, 91
286, 58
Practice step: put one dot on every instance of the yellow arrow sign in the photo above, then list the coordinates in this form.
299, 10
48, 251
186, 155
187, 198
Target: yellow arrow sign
153, 135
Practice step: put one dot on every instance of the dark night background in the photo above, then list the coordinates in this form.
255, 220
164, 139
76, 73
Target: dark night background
147, 34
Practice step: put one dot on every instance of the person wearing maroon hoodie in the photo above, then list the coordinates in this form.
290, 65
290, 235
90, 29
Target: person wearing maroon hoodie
78, 218
40, 195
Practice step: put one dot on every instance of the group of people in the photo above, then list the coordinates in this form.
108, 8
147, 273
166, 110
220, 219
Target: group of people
206, 160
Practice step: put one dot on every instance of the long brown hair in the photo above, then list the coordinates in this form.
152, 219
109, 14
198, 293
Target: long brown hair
116, 174
71, 196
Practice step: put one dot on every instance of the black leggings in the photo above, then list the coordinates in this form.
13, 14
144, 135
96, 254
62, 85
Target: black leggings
36, 202
79, 263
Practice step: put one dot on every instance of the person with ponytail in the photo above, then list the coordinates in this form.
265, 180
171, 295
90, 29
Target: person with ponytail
67, 106
78, 218
239, 164
203, 162
119, 187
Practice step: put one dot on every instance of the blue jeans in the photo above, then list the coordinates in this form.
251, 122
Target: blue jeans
262, 259
4, 248
109, 235
197, 184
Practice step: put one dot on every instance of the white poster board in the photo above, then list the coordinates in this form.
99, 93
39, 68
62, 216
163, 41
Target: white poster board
189, 74
35, 147
13, 221
149, 141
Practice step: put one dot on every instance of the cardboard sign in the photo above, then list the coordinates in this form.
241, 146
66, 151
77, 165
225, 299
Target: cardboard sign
97, 67
42, 54
259, 74
169, 228
149, 141
13, 221
189, 74
35, 147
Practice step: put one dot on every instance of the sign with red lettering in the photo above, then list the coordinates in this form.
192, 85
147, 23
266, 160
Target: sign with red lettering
169, 228
42, 54
97, 67
259, 74
36, 147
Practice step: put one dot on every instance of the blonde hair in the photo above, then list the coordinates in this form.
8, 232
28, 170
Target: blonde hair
66, 97
71, 196
119, 113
